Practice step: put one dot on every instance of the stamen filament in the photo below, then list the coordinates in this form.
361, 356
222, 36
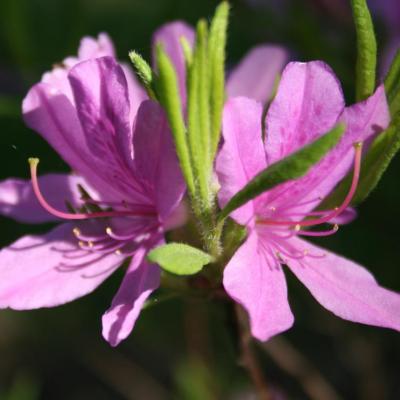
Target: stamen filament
316, 234
33, 162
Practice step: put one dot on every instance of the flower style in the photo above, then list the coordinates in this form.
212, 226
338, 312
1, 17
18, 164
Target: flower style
95, 116
308, 103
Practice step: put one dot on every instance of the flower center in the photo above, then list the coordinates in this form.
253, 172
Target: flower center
122, 240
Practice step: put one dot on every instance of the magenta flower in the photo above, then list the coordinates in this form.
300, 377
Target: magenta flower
309, 102
94, 115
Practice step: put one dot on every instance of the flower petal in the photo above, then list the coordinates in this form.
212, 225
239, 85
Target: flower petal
91, 48
242, 155
256, 74
18, 201
155, 157
252, 279
363, 121
169, 36
49, 112
101, 96
141, 279
308, 103
345, 288
39, 271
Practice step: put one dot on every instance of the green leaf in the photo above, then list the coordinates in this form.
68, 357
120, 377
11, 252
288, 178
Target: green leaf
167, 89
217, 45
199, 112
378, 158
366, 50
392, 85
143, 71
292, 167
179, 258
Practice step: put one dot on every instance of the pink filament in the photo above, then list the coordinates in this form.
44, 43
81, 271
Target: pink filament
337, 211
33, 162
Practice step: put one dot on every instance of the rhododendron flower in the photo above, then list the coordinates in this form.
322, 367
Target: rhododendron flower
308, 103
120, 147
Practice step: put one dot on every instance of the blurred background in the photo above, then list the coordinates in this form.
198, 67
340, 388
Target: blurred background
188, 349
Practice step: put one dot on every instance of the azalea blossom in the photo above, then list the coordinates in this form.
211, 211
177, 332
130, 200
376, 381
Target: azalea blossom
94, 114
309, 102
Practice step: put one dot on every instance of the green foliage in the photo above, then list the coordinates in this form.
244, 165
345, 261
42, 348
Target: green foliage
143, 70
179, 258
366, 50
292, 167
167, 89
217, 45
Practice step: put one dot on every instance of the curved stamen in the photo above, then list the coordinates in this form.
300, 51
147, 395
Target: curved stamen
33, 162
337, 210
316, 234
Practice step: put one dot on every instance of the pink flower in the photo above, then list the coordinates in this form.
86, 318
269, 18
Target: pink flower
94, 114
309, 102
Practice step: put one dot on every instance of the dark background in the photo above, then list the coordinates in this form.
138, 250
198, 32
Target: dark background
188, 349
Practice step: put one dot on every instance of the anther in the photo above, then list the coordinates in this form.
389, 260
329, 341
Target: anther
109, 230
81, 244
118, 252
76, 232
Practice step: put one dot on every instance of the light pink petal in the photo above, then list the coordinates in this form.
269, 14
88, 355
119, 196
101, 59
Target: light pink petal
363, 121
155, 158
256, 75
252, 279
347, 216
136, 92
101, 95
91, 48
141, 279
346, 288
242, 155
36, 271
49, 112
308, 103
169, 36
18, 201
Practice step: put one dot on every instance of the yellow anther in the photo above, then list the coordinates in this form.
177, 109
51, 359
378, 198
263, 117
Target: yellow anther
358, 145
109, 231
76, 231
297, 227
118, 252
81, 244
335, 227
90, 243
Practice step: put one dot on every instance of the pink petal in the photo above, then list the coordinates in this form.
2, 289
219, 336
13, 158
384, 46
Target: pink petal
91, 48
256, 74
169, 36
49, 112
18, 201
308, 103
101, 95
252, 279
363, 121
346, 288
36, 272
136, 92
242, 155
155, 157
141, 279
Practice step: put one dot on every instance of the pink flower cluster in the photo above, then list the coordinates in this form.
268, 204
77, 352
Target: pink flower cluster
117, 142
